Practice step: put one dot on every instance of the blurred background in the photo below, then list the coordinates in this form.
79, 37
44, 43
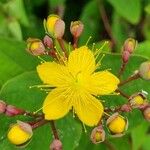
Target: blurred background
112, 20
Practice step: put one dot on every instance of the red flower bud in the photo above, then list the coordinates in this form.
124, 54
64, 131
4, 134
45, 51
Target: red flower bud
13, 111
48, 42
76, 28
125, 56
56, 145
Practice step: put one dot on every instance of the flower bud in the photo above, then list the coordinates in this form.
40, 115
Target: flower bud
129, 45
126, 108
13, 111
137, 99
146, 113
20, 133
76, 28
54, 26
48, 42
98, 135
2, 106
144, 70
56, 145
117, 125
35, 47
125, 56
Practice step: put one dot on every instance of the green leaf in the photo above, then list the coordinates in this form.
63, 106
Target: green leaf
14, 59
139, 135
129, 9
16, 9
143, 49
91, 21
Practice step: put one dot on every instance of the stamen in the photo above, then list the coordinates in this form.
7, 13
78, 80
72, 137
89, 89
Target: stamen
93, 46
114, 93
106, 114
88, 40
84, 127
69, 47
40, 58
40, 86
73, 112
99, 62
98, 51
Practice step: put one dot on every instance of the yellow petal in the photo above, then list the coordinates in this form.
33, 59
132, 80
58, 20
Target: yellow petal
88, 108
102, 83
56, 104
81, 60
54, 74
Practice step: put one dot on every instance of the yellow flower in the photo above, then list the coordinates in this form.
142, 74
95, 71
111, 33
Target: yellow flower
77, 86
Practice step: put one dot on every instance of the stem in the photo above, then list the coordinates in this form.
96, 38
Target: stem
38, 123
106, 22
122, 69
75, 42
133, 77
109, 145
54, 130
122, 94
61, 43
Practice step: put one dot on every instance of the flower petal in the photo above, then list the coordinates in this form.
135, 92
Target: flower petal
88, 108
81, 60
56, 105
54, 74
103, 83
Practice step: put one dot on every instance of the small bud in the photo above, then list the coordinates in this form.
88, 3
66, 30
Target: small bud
129, 45
76, 28
125, 56
13, 111
35, 47
54, 26
2, 106
56, 145
48, 42
98, 135
117, 125
144, 70
126, 108
146, 113
137, 99
20, 133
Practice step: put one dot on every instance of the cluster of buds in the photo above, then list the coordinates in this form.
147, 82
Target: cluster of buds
54, 28
116, 125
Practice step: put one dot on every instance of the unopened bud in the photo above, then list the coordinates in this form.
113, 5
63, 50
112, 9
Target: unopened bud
146, 113
2, 106
137, 100
98, 135
129, 45
126, 108
48, 42
13, 111
55, 26
117, 125
35, 47
56, 145
144, 70
125, 56
76, 28
20, 133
